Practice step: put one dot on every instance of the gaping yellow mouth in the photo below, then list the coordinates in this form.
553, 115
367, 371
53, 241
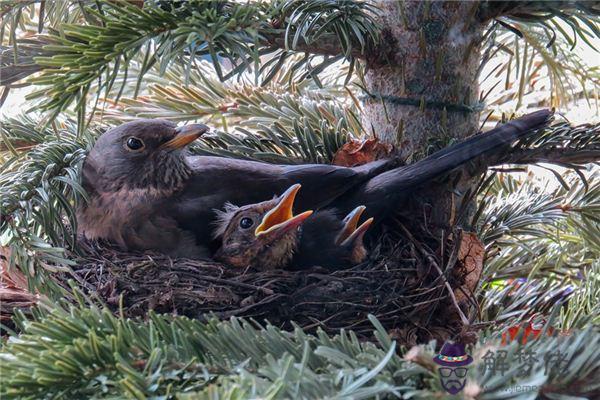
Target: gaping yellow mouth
281, 217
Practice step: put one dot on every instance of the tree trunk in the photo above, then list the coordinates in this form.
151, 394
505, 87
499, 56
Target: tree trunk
433, 61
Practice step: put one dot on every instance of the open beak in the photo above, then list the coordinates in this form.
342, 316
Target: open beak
351, 233
281, 218
350, 224
358, 234
185, 135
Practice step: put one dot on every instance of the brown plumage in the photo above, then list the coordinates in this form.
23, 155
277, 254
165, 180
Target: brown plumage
155, 197
262, 235
267, 235
130, 175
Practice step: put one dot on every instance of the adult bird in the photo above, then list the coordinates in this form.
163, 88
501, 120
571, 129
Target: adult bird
145, 193
267, 235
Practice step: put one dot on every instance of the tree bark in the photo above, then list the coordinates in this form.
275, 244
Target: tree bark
436, 55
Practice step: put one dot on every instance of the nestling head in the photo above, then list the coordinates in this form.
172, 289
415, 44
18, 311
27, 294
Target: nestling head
351, 237
332, 242
142, 154
263, 235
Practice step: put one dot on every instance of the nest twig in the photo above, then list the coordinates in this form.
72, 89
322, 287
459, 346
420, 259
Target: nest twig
398, 285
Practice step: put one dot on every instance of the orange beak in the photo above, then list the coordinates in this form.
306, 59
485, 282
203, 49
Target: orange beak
281, 218
186, 135
358, 234
350, 224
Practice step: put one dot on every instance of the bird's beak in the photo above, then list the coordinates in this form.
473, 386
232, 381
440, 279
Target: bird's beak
350, 224
358, 235
351, 233
281, 218
185, 135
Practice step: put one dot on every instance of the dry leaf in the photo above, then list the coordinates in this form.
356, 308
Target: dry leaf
358, 152
13, 288
470, 256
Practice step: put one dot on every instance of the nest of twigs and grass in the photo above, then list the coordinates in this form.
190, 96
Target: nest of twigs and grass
413, 291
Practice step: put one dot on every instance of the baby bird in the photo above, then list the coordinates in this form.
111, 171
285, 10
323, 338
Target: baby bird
262, 235
268, 236
328, 241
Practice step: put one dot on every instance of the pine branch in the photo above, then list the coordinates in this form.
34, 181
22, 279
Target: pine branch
560, 144
86, 54
92, 353
88, 352
12, 71
554, 156
583, 307
542, 249
39, 187
537, 233
508, 302
276, 122
20, 21
534, 11
342, 27
530, 66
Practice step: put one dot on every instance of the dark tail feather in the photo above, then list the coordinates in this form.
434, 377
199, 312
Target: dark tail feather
381, 191
503, 135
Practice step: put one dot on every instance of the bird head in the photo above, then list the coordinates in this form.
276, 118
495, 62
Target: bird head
263, 235
143, 154
351, 237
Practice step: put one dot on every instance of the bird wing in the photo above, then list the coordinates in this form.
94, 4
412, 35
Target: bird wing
161, 232
216, 181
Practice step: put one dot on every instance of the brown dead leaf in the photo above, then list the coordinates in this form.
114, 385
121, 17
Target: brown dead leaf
358, 152
13, 288
470, 256
10, 276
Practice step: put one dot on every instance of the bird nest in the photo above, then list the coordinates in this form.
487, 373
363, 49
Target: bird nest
401, 284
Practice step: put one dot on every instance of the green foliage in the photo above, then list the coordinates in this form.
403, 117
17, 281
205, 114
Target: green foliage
95, 42
95, 53
284, 74
564, 145
91, 353
84, 54
541, 231
528, 55
279, 122
572, 376
581, 17
533, 68
547, 237
584, 307
39, 187
350, 22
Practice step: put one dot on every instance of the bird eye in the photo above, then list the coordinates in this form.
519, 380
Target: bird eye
246, 223
134, 144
